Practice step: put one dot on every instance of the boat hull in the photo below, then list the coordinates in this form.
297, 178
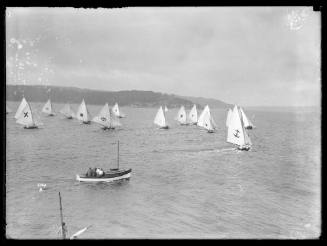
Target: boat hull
31, 127
109, 176
243, 148
249, 127
211, 131
164, 127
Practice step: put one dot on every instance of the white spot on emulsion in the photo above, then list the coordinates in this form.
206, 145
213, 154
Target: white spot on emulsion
296, 18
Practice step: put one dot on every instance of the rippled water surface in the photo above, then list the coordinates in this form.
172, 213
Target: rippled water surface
185, 182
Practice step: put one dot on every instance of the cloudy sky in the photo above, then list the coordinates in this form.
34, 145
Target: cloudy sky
251, 56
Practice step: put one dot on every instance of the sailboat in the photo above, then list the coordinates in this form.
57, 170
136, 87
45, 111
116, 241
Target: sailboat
67, 111
83, 114
193, 116
181, 116
8, 110
20, 107
113, 174
106, 118
25, 117
201, 122
160, 119
119, 114
229, 113
247, 123
47, 109
208, 122
236, 133
166, 109
63, 226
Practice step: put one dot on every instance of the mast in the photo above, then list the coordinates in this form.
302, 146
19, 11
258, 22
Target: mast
118, 155
62, 220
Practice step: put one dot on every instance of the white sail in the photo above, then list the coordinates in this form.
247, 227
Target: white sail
47, 108
117, 112
114, 119
200, 120
228, 117
160, 118
181, 115
82, 113
67, 111
103, 118
20, 107
207, 121
193, 115
166, 109
236, 133
26, 117
246, 121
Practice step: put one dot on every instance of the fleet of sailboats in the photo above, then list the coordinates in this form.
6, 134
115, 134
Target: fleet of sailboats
236, 121
83, 114
48, 109
160, 119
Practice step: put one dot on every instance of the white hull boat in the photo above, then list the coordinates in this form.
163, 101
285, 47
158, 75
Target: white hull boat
109, 176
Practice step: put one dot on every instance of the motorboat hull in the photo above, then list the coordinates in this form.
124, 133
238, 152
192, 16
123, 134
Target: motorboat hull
109, 176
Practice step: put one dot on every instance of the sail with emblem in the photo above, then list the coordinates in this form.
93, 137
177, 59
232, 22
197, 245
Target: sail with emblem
236, 133
83, 114
47, 108
25, 117
160, 119
193, 115
20, 108
181, 116
247, 123
67, 111
103, 118
228, 116
117, 112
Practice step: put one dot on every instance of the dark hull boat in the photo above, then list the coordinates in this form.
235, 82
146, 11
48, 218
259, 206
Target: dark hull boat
164, 127
108, 176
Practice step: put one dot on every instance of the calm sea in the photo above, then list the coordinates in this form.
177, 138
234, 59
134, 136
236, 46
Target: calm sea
185, 183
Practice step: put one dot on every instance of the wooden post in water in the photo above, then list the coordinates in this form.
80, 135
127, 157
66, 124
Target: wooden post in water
63, 230
118, 155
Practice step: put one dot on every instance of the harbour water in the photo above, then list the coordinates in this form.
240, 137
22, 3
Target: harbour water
185, 182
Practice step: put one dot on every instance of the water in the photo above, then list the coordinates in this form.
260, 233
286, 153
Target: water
185, 182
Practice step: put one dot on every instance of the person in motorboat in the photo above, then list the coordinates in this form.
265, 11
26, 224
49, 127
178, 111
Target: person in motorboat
89, 172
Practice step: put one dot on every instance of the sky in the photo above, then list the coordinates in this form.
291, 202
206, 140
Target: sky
250, 56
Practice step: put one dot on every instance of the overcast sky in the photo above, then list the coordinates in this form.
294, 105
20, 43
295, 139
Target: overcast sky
250, 56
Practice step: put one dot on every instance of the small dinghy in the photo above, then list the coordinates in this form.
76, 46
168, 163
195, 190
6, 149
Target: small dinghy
98, 175
48, 109
160, 119
106, 118
83, 114
63, 227
193, 116
181, 116
20, 108
236, 133
25, 117
208, 122
247, 123
117, 112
